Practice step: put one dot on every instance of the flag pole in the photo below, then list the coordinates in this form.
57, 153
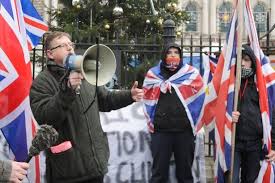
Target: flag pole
238, 79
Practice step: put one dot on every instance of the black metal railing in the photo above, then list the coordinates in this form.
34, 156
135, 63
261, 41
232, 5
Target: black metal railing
136, 55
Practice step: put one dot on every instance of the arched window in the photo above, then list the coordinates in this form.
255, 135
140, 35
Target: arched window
191, 10
260, 16
224, 16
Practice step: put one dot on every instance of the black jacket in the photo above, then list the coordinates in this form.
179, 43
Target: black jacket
170, 115
62, 108
250, 126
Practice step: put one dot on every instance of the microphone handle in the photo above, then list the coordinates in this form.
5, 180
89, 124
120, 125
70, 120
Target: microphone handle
28, 159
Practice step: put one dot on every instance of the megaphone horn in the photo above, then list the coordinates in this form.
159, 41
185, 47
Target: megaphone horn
106, 64
87, 64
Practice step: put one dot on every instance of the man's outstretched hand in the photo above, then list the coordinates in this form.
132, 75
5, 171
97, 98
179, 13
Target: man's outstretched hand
137, 93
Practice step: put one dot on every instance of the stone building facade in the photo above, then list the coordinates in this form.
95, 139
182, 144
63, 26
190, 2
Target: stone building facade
212, 17
208, 17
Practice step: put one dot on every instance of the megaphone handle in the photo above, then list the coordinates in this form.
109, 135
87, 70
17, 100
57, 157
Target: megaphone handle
77, 89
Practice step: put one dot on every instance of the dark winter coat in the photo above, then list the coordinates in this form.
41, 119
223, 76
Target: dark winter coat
250, 126
76, 118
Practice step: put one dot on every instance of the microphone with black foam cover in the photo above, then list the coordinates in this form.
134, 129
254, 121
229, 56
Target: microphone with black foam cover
45, 137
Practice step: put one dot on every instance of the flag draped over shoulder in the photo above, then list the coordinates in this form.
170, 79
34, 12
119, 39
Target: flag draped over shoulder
221, 92
266, 86
188, 85
21, 28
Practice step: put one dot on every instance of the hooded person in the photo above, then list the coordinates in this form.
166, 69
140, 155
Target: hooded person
251, 71
249, 128
171, 116
171, 58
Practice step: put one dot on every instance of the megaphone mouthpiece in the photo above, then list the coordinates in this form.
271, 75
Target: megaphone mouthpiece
73, 62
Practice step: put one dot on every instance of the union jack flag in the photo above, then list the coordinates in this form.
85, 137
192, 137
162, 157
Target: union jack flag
221, 92
209, 65
188, 85
220, 96
20, 29
266, 87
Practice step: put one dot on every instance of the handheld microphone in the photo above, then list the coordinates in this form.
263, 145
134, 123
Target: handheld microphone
45, 137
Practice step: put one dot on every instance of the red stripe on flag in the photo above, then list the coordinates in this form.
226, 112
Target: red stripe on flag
261, 84
191, 89
36, 24
217, 79
2, 67
270, 78
22, 84
152, 94
209, 115
220, 116
266, 178
29, 46
212, 67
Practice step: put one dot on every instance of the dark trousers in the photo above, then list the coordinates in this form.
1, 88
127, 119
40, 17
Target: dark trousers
247, 161
182, 144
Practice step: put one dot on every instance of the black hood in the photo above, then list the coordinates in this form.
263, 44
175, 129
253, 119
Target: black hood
246, 50
166, 73
167, 47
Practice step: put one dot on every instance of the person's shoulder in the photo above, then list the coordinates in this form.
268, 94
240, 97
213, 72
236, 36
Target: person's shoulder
190, 68
43, 77
43, 74
154, 69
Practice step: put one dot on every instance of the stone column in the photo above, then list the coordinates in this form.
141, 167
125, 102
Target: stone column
49, 4
204, 14
272, 16
212, 19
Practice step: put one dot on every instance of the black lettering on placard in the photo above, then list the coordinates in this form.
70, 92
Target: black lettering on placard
139, 173
117, 134
120, 172
133, 177
129, 143
136, 112
144, 138
119, 118
130, 172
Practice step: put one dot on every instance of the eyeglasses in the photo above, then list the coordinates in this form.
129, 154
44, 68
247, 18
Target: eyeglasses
67, 45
